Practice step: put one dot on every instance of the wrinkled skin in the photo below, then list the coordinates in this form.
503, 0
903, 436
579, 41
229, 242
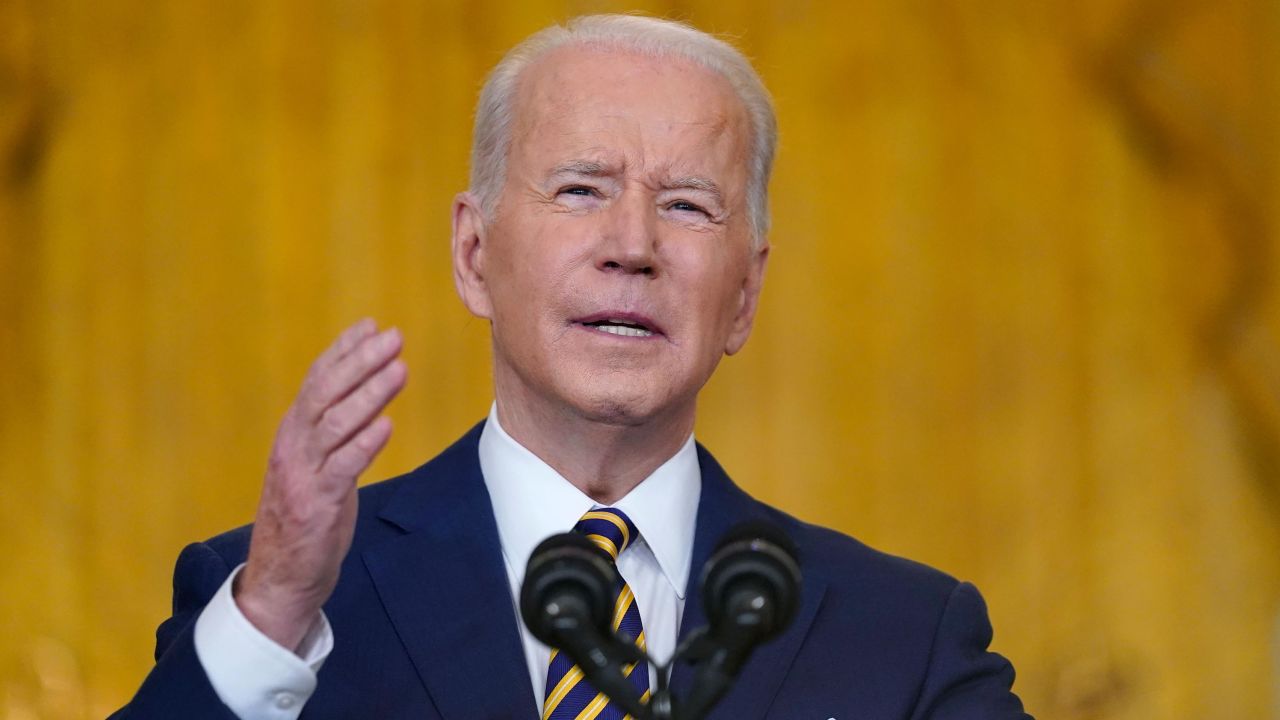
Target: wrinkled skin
624, 199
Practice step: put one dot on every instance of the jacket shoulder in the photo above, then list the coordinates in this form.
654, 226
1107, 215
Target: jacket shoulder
921, 636
876, 580
846, 556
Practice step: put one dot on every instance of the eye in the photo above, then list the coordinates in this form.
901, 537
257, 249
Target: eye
579, 190
685, 206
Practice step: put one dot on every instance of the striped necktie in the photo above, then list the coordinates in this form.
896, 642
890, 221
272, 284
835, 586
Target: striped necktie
569, 695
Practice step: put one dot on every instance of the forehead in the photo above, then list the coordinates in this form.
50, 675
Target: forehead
651, 114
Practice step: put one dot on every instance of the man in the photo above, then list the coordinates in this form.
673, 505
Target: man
614, 237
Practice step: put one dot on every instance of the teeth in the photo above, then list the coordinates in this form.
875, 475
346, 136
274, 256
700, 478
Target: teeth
624, 330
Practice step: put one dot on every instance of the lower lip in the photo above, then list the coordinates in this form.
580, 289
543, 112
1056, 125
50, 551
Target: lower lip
602, 333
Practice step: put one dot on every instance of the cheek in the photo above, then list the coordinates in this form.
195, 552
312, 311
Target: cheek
528, 274
542, 240
712, 297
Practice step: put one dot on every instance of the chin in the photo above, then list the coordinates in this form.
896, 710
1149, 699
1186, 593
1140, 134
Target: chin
620, 405
614, 410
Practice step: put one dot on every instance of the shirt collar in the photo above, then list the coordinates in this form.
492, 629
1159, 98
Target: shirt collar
531, 502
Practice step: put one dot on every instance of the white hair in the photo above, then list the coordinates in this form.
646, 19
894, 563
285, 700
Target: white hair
645, 35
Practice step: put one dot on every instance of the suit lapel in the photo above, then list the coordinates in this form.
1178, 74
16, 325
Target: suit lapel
445, 588
722, 506
444, 585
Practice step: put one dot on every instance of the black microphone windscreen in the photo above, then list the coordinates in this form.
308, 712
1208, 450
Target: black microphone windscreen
557, 542
758, 530
755, 562
570, 574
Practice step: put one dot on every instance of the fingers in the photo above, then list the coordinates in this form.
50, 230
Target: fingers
347, 340
358, 453
305, 520
351, 363
344, 419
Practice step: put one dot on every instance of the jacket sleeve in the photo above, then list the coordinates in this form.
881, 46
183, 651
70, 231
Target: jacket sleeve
177, 687
965, 680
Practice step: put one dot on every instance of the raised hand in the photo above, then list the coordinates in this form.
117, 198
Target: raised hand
307, 512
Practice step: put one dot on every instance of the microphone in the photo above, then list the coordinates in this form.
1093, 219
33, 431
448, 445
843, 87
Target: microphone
567, 590
750, 591
567, 600
750, 586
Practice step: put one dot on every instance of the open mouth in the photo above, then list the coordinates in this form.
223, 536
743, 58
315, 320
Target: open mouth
624, 326
618, 327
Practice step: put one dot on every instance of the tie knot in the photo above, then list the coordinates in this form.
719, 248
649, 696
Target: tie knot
609, 528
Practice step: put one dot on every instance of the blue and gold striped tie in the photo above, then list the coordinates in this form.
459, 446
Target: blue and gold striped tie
569, 696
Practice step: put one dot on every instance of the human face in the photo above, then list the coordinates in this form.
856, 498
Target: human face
618, 267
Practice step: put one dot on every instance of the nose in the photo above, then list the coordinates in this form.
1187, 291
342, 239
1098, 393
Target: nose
629, 238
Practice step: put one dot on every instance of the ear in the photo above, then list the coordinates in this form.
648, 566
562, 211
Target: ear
748, 300
468, 255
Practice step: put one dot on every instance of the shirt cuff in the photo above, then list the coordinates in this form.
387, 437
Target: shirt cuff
254, 676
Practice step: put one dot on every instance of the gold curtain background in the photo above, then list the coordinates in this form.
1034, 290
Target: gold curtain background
1021, 320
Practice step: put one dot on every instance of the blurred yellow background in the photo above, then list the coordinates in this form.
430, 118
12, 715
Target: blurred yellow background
1021, 320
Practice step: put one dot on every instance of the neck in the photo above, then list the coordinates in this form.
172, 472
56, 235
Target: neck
604, 459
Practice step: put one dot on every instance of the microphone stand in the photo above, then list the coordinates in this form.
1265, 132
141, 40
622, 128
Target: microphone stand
605, 668
718, 662
602, 661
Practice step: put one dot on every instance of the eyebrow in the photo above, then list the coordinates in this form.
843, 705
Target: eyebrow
588, 168
696, 183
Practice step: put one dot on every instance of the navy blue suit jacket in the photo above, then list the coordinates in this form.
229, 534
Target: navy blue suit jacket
425, 627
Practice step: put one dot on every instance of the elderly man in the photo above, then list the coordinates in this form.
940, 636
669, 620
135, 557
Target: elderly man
614, 237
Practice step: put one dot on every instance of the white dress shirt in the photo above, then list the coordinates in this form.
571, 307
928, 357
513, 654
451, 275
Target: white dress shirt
259, 679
